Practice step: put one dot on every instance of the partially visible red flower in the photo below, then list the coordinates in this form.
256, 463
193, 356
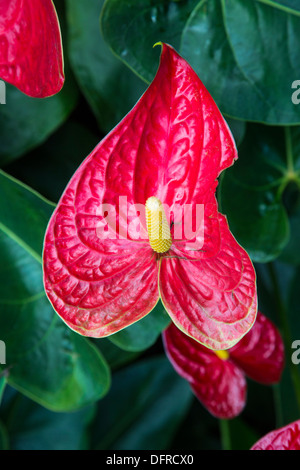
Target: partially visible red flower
285, 438
31, 56
218, 377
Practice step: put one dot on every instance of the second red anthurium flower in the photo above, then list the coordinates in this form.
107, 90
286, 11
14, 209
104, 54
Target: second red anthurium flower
31, 54
127, 230
218, 378
285, 438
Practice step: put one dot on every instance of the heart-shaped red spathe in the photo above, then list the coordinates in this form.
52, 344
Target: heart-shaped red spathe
172, 145
220, 384
284, 438
31, 56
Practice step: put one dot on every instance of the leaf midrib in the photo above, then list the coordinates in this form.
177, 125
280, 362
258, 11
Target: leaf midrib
278, 6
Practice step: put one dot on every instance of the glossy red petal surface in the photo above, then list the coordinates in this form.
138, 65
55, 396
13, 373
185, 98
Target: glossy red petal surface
206, 241
217, 383
194, 141
285, 438
185, 143
214, 300
172, 145
97, 285
30, 47
260, 354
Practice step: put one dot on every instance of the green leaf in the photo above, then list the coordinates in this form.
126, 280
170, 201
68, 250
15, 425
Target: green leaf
226, 44
285, 5
142, 334
33, 427
45, 360
132, 28
109, 87
114, 356
250, 192
143, 409
27, 122
65, 149
245, 52
238, 129
2, 386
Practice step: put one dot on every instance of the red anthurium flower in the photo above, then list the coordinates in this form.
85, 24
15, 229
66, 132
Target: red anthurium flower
218, 377
149, 177
30, 47
285, 438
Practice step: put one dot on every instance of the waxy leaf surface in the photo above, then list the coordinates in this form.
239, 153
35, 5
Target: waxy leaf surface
154, 404
44, 360
109, 86
30, 47
25, 123
269, 163
172, 145
225, 41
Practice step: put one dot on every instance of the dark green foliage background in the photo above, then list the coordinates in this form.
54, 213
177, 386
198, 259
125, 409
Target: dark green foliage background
62, 391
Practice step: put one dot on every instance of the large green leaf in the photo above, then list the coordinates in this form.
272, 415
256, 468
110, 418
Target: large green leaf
65, 149
286, 5
114, 356
245, 52
109, 87
251, 192
132, 28
143, 409
225, 41
30, 426
26, 122
142, 334
44, 359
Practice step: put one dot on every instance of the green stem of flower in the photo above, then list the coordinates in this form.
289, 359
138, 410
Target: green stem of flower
285, 329
289, 150
278, 406
225, 434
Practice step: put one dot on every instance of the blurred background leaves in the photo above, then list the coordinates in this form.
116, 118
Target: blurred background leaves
121, 390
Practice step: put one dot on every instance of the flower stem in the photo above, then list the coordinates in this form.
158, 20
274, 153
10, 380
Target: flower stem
289, 150
225, 434
278, 406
